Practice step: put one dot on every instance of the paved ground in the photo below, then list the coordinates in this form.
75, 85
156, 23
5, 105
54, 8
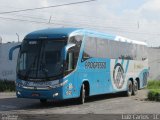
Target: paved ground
104, 104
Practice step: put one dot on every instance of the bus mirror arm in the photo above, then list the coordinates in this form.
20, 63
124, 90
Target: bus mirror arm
64, 65
12, 50
69, 46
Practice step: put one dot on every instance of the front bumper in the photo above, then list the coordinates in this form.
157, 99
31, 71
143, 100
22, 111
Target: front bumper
55, 94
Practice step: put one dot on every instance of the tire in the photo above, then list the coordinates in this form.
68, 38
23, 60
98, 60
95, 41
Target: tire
82, 94
43, 101
129, 88
135, 88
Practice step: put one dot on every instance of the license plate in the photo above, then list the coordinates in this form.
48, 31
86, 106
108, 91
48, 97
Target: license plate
35, 94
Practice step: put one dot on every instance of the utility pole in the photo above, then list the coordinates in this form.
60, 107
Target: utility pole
17, 36
50, 20
138, 24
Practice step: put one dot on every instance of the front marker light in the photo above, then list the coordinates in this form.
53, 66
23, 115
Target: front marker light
63, 83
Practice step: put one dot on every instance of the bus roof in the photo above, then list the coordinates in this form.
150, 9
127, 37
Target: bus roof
65, 32
123, 39
51, 33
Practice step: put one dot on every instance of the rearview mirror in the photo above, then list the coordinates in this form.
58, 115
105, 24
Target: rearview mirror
12, 50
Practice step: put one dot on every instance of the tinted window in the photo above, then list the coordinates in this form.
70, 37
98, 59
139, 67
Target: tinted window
103, 48
114, 49
90, 48
141, 52
122, 50
40, 59
78, 41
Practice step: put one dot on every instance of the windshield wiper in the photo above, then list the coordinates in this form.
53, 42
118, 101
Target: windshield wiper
45, 71
29, 69
42, 64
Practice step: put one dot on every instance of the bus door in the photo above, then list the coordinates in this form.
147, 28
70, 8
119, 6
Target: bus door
89, 73
73, 74
103, 75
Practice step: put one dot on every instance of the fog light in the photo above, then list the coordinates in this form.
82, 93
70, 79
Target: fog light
56, 94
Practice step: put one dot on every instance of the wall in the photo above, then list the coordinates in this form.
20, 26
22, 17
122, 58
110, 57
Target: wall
154, 63
7, 67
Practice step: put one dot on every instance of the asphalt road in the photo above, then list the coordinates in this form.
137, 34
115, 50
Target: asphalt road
103, 104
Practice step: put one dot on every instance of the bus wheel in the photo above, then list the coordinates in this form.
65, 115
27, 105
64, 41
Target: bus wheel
135, 88
129, 88
82, 95
43, 100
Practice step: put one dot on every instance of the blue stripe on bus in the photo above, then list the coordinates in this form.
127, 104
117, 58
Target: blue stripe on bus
116, 61
122, 62
127, 65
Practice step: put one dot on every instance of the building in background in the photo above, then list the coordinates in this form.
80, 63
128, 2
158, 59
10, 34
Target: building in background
154, 63
8, 68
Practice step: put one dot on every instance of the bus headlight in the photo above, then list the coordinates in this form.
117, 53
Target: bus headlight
55, 94
60, 84
19, 93
19, 84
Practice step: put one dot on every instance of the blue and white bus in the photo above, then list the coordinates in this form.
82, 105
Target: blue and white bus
64, 63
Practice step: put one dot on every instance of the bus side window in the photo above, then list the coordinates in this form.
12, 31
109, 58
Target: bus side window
90, 49
70, 61
77, 40
22, 62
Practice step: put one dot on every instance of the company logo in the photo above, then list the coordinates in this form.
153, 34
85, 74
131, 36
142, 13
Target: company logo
95, 65
118, 76
8, 116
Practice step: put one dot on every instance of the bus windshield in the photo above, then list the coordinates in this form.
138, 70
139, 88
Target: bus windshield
40, 59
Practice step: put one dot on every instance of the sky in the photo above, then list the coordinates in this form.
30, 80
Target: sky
135, 19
